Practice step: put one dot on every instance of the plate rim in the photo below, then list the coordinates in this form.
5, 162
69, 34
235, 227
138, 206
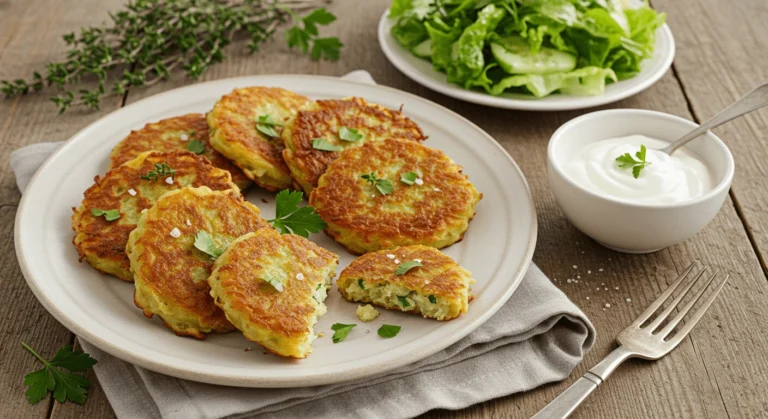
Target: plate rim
269, 382
538, 105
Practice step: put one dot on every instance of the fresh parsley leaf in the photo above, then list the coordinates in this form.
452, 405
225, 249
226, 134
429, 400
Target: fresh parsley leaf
403, 301
58, 376
196, 146
341, 331
109, 215
388, 331
384, 186
323, 144
290, 218
407, 266
409, 177
297, 38
204, 242
432, 299
305, 31
328, 48
192, 133
317, 17
266, 124
161, 170
626, 161
350, 134
361, 284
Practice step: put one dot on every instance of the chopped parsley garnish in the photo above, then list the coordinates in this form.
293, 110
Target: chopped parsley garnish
109, 215
324, 145
341, 331
409, 177
196, 146
384, 186
290, 218
361, 284
266, 124
388, 331
432, 299
204, 242
626, 161
407, 266
161, 170
403, 300
350, 134
58, 376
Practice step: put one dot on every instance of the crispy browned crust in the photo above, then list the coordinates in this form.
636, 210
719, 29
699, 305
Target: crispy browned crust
164, 136
446, 278
234, 118
100, 241
239, 273
173, 268
324, 118
436, 213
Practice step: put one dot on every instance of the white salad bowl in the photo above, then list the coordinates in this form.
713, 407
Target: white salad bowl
628, 226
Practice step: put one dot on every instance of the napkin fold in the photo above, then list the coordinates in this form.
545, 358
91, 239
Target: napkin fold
537, 337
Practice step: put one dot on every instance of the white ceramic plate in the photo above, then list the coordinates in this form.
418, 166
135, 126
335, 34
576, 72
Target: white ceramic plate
497, 249
420, 71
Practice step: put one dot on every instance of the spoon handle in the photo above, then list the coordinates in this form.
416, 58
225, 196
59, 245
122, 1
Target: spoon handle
753, 100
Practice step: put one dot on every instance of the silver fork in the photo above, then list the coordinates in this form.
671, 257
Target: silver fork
641, 341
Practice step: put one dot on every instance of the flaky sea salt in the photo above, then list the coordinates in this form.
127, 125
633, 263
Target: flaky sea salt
132, 192
397, 260
175, 233
391, 256
300, 276
184, 137
169, 180
608, 305
418, 181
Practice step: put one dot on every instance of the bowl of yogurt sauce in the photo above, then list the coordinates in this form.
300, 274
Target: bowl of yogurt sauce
614, 184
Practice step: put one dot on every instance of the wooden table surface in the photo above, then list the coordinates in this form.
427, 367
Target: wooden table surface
720, 370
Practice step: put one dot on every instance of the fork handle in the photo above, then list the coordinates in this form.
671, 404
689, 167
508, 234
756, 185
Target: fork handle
573, 396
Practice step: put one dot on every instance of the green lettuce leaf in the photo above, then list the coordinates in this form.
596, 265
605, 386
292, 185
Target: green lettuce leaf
467, 56
584, 81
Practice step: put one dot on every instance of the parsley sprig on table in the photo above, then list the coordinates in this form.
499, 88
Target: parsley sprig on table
149, 39
290, 218
58, 376
626, 161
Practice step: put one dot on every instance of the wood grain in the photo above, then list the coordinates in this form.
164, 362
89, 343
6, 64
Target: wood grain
720, 371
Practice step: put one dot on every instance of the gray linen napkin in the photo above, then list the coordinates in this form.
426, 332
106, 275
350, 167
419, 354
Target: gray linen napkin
537, 337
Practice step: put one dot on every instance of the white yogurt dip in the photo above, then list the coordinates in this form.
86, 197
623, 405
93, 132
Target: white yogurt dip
667, 179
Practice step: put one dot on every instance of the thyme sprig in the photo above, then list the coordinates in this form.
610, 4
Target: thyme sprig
142, 44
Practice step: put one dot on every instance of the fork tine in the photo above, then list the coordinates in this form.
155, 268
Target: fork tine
663, 297
664, 314
696, 316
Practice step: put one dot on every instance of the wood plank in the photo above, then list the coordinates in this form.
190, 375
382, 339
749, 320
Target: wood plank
22, 318
30, 37
720, 57
30, 32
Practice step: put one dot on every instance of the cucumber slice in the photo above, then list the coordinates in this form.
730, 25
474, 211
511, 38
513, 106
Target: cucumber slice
515, 57
423, 49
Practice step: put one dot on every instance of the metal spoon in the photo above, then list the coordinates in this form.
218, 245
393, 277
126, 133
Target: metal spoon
753, 100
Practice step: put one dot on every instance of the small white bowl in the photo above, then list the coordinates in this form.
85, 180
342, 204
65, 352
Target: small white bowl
627, 226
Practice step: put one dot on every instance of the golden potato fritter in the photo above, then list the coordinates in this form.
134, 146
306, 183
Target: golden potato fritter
170, 272
437, 289
101, 242
272, 288
324, 119
434, 211
234, 129
175, 134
